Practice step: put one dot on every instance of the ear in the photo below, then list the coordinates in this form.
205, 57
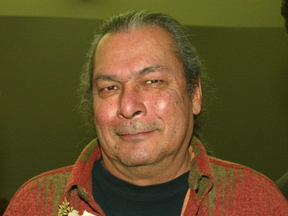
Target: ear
197, 99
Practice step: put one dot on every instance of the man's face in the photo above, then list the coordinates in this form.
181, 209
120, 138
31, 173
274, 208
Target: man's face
143, 111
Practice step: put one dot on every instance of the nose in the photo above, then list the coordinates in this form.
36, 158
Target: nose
131, 104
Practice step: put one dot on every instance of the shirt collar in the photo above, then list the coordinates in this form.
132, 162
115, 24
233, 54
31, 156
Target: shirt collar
81, 175
200, 177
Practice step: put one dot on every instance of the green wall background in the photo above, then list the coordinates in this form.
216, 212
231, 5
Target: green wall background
41, 129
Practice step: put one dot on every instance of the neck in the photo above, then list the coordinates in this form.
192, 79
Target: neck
157, 173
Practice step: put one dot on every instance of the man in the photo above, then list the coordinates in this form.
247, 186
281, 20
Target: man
282, 183
143, 88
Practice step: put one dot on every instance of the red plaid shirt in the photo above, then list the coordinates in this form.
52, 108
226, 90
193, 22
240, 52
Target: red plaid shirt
217, 187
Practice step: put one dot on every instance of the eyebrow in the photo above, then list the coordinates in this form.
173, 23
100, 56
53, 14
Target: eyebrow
142, 72
105, 77
152, 68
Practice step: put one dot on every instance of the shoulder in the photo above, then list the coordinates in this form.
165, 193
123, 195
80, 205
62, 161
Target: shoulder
56, 173
240, 174
225, 167
250, 189
56, 177
29, 196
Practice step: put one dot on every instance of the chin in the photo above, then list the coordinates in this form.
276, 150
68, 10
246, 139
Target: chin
140, 162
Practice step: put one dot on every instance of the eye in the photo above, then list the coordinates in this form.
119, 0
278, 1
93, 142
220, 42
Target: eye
109, 88
105, 92
154, 81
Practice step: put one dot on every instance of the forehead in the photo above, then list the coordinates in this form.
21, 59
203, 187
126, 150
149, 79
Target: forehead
134, 48
143, 38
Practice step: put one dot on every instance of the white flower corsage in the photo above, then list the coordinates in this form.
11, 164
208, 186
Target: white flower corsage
66, 210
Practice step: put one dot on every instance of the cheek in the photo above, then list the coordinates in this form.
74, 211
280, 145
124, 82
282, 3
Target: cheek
104, 113
167, 104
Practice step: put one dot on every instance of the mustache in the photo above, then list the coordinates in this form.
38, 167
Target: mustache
135, 127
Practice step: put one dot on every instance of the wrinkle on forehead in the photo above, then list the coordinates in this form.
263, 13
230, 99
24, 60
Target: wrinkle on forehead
140, 73
128, 51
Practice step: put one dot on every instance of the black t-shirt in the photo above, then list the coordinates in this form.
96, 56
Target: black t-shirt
120, 198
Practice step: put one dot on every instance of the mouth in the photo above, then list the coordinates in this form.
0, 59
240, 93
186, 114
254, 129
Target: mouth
136, 131
135, 135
